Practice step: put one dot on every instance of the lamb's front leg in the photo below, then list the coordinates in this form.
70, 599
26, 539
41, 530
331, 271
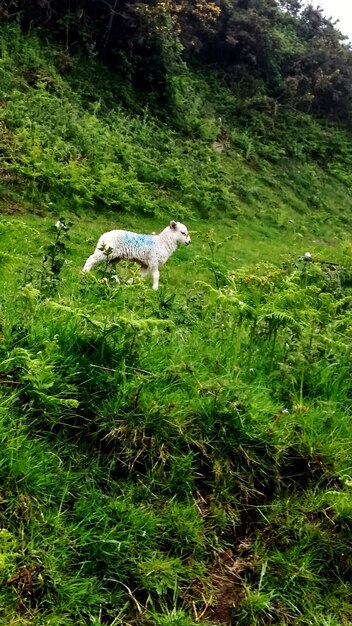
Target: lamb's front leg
155, 275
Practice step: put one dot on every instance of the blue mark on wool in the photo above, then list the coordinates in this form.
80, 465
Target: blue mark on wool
138, 241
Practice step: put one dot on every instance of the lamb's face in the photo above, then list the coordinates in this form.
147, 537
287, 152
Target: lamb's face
181, 233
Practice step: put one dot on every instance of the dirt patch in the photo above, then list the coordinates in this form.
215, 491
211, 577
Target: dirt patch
28, 587
225, 591
11, 207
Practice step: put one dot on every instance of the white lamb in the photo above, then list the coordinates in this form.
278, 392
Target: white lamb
149, 251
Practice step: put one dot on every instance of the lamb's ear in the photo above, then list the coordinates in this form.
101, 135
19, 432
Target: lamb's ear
173, 225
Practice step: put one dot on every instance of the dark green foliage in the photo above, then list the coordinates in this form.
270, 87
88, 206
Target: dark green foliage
282, 49
54, 257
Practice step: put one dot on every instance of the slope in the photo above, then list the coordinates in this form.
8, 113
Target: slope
177, 457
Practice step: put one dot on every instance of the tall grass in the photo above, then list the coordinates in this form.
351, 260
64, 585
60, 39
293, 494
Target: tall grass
162, 448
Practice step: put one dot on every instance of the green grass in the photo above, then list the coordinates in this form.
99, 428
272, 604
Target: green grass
183, 456
143, 436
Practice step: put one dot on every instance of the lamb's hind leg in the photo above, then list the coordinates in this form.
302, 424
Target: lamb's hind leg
112, 264
96, 257
144, 271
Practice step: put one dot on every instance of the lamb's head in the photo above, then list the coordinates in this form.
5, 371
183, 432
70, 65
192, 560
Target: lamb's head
180, 233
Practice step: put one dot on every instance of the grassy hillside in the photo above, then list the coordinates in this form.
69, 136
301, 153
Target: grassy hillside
184, 456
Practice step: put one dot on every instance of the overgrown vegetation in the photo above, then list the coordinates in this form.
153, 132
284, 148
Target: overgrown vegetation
178, 457
64, 149
153, 471
285, 50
